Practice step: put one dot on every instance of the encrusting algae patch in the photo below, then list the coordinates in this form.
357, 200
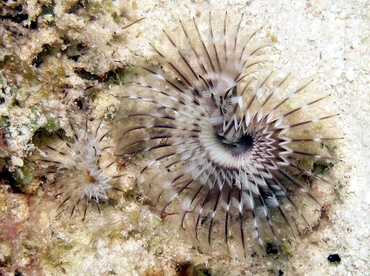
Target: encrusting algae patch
73, 202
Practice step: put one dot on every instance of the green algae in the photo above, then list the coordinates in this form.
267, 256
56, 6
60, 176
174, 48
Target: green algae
24, 175
52, 123
286, 249
4, 121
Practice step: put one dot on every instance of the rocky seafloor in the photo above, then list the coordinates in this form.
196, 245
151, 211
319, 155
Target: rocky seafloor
57, 57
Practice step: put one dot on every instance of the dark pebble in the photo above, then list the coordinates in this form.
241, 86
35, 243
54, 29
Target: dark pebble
334, 258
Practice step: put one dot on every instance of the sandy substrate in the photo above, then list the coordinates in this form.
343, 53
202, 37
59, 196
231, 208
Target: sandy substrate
53, 55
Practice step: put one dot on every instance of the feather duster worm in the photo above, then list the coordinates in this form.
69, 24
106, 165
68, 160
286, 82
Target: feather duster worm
80, 168
225, 147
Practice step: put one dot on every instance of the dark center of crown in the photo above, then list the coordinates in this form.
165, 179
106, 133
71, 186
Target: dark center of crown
243, 145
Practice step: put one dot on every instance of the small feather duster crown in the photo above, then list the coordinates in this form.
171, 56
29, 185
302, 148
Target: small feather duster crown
224, 148
79, 166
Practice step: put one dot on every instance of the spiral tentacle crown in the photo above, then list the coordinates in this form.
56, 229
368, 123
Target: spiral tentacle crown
220, 137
